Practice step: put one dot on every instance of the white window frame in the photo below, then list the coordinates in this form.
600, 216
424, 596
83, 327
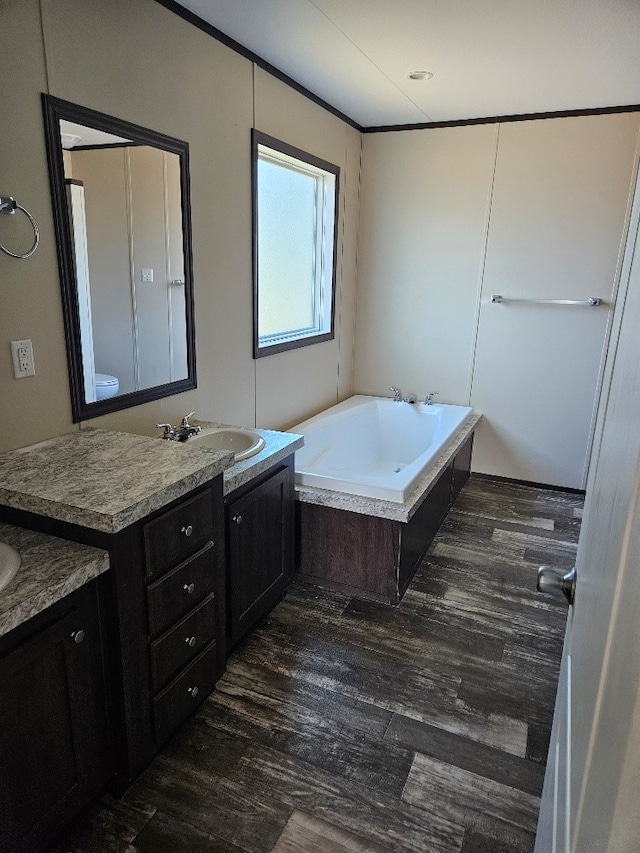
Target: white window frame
326, 175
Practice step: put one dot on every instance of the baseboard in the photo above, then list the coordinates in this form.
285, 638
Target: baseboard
513, 481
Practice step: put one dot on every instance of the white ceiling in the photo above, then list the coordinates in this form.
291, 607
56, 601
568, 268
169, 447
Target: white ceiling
488, 57
89, 135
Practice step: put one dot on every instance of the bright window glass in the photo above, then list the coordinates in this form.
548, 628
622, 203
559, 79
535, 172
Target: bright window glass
295, 199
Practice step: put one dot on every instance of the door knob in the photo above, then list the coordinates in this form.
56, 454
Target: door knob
552, 580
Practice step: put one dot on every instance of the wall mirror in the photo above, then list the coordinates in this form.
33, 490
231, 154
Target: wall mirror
121, 210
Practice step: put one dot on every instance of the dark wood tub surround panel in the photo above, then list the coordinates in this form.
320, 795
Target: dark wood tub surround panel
346, 550
371, 557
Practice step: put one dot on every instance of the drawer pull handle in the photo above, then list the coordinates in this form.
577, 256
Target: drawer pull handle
188, 530
189, 588
78, 636
193, 691
190, 641
237, 519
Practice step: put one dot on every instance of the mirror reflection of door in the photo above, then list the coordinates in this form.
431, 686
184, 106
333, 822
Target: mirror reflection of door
124, 203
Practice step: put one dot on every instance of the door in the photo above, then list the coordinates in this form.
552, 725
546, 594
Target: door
589, 801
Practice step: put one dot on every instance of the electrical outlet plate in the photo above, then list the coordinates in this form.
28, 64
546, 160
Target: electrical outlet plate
22, 353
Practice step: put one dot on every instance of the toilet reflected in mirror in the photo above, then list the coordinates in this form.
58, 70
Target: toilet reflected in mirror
106, 386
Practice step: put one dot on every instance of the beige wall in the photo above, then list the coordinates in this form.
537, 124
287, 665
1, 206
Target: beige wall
560, 201
140, 62
425, 206
531, 209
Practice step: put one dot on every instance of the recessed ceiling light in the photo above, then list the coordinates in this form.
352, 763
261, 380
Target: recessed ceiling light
420, 75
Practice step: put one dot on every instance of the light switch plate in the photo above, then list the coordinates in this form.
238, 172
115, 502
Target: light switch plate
22, 353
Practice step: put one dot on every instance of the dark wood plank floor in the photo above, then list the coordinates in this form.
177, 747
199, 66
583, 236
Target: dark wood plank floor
343, 725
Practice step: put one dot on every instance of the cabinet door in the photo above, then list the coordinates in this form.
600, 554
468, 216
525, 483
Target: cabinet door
54, 746
260, 561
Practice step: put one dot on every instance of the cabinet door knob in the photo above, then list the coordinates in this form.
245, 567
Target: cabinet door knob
237, 519
190, 641
78, 636
189, 588
193, 691
187, 530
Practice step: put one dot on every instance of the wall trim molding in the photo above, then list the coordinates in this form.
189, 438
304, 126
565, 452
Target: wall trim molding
595, 111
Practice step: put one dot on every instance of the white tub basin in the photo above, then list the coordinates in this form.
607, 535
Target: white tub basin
9, 564
243, 443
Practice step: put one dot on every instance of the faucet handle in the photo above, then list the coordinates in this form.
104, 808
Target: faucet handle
169, 431
185, 421
428, 400
397, 394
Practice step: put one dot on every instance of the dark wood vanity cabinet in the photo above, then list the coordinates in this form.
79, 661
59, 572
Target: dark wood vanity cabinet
183, 598
169, 617
260, 529
163, 603
53, 702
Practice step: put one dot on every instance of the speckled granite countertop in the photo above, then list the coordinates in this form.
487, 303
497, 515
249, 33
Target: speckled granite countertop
104, 480
51, 568
390, 509
278, 445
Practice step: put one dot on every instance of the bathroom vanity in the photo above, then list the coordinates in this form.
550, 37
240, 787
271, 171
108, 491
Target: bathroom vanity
112, 648
156, 509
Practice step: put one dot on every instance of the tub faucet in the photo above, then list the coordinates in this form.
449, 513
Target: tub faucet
428, 400
397, 394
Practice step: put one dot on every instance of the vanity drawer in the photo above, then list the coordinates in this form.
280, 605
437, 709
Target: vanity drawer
178, 533
179, 591
176, 702
174, 649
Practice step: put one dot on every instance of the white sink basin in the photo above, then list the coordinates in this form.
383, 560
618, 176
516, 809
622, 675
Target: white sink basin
9, 564
243, 443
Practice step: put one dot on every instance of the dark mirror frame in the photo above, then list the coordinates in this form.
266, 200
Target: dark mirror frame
55, 109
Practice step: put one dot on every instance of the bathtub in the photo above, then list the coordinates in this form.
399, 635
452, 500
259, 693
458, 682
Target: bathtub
373, 447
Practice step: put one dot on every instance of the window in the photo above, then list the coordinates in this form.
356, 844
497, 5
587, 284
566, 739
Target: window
295, 199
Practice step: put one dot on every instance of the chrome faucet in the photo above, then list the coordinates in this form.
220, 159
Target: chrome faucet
169, 433
181, 433
397, 394
428, 400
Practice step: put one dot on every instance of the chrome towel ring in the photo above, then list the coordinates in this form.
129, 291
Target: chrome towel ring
10, 205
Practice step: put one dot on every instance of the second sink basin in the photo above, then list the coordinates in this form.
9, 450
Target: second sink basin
9, 564
243, 443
